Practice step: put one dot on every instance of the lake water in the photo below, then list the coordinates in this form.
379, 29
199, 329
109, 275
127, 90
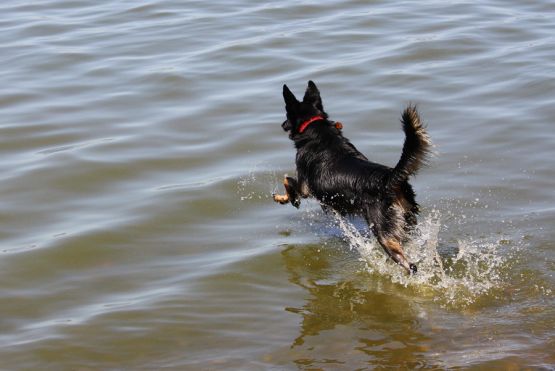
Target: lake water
141, 143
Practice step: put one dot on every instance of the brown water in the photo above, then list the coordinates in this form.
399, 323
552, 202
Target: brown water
141, 142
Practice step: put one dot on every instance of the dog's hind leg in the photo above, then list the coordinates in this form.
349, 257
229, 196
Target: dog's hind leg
292, 193
393, 248
388, 229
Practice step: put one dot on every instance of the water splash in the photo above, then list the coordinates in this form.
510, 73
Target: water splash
248, 186
453, 276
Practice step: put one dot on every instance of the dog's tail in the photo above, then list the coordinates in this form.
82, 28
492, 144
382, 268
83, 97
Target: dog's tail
416, 149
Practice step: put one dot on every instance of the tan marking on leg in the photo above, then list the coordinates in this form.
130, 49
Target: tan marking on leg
402, 202
283, 199
394, 248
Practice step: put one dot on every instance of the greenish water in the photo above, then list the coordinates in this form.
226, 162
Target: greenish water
141, 143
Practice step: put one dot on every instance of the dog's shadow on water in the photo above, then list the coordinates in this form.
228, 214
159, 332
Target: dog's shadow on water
346, 305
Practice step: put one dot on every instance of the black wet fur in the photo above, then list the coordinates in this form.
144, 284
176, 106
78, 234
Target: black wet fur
333, 171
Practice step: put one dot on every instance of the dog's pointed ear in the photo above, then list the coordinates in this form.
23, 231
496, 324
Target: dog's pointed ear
290, 100
312, 96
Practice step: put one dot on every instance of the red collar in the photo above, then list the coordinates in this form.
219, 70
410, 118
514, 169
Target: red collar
305, 124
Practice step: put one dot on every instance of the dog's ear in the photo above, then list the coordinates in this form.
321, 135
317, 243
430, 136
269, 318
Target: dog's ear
290, 101
312, 96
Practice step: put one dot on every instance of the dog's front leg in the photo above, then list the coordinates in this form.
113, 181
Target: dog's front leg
292, 193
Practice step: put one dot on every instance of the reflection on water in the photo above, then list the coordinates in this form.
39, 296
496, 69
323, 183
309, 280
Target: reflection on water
351, 318
379, 322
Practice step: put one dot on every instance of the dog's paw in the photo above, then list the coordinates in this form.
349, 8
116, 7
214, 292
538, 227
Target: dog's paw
282, 199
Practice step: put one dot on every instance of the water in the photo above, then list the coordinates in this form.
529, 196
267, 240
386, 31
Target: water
141, 143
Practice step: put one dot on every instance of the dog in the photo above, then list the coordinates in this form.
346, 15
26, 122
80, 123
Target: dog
332, 170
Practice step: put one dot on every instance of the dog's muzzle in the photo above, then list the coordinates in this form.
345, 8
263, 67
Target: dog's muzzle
286, 125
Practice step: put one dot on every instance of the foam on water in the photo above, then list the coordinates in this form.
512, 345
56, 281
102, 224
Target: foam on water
453, 276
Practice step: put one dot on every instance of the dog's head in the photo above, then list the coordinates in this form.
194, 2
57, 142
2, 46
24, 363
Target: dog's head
299, 112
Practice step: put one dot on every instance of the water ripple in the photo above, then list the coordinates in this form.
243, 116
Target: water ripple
141, 142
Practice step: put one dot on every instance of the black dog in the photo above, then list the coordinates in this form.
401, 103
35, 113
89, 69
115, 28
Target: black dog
333, 171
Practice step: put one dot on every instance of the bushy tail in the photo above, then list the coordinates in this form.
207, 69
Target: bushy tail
416, 149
